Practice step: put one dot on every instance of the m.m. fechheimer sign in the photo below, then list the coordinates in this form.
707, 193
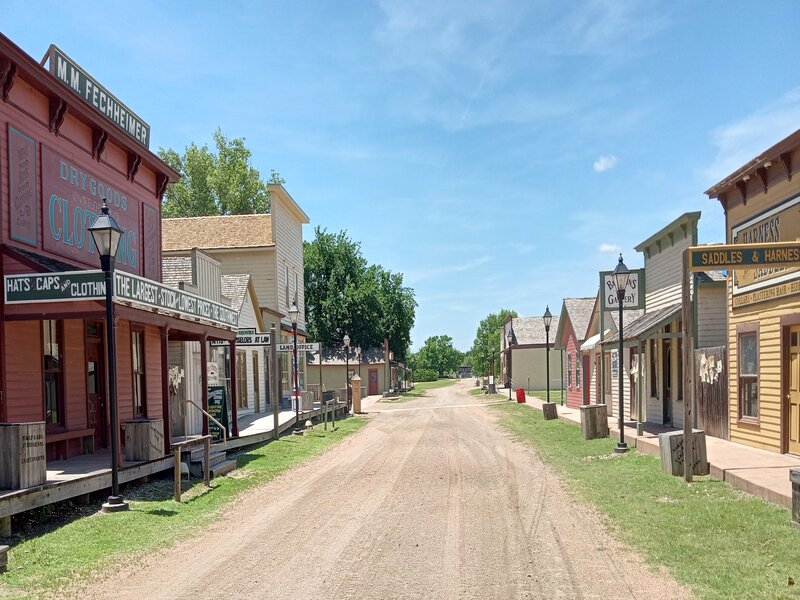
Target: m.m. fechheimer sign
90, 285
98, 97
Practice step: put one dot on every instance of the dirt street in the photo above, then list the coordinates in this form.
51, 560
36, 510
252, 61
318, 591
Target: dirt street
430, 500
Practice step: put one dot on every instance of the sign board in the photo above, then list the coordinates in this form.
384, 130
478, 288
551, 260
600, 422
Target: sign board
79, 81
634, 292
23, 178
735, 256
90, 285
246, 337
217, 408
307, 347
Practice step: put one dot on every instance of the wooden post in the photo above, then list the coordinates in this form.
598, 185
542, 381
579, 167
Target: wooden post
204, 381
177, 474
207, 461
165, 406
234, 429
273, 380
688, 370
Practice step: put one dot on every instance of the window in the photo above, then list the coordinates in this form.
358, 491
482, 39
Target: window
653, 355
577, 370
256, 383
748, 372
138, 374
569, 369
53, 374
241, 379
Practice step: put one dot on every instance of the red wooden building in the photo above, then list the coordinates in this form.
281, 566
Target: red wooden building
573, 324
65, 145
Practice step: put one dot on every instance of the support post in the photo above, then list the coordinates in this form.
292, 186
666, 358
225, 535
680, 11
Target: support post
688, 370
203, 382
207, 461
273, 381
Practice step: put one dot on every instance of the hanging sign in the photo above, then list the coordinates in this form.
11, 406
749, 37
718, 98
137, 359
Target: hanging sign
307, 347
245, 337
634, 292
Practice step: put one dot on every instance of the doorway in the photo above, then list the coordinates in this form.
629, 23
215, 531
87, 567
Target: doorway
793, 397
95, 383
666, 378
372, 388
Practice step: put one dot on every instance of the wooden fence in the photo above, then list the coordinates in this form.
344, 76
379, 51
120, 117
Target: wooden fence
711, 390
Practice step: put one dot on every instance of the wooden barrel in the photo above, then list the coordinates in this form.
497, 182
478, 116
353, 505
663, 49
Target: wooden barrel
23, 455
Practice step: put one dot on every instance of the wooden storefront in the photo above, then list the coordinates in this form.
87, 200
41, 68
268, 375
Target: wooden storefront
761, 201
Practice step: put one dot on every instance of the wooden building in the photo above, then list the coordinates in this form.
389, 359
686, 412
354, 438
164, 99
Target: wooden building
573, 324
761, 201
61, 155
524, 361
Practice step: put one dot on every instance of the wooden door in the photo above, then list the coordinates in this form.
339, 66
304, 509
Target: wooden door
666, 380
256, 384
793, 397
95, 388
372, 388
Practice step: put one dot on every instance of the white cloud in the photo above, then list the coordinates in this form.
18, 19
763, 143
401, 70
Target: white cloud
739, 142
605, 162
606, 247
417, 276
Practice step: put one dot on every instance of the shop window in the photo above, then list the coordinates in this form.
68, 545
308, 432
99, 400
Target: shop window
748, 371
577, 370
286, 366
53, 374
138, 372
607, 374
569, 369
241, 379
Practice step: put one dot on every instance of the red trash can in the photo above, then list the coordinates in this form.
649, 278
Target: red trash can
520, 396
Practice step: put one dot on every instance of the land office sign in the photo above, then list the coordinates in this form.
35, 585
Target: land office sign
634, 295
90, 285
97, 96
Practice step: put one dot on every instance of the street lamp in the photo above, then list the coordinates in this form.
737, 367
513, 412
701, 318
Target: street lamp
346, 340
106, 235
547, 318
509, 339
294, 313
621, 276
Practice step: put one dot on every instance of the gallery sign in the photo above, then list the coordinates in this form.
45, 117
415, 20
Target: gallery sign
634, 292
98, 97
90, 285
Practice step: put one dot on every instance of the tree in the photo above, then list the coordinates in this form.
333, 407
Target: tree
438, 353
221, 183
487, 338
345, 295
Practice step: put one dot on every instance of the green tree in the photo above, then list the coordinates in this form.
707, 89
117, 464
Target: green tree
345, 295
487, 338
438, 353
215, 183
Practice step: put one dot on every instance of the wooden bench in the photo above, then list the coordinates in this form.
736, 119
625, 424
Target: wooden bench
60, 440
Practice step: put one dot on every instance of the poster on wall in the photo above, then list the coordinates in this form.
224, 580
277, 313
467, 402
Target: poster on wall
217, 408
22, 175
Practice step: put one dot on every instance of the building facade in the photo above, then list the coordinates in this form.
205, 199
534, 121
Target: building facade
525, 361
573, 323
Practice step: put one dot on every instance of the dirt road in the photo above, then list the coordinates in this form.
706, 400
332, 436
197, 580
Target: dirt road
430, 500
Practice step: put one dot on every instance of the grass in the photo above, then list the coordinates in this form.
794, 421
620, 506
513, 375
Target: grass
483, 394
46, 563
422, 387
711, 536
555, 395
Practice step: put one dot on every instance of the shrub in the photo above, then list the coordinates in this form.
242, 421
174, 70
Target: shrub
425, 375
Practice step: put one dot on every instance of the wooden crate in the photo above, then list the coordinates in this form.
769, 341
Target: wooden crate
23, 455
594, 421
671, 448
144, 439
549, 411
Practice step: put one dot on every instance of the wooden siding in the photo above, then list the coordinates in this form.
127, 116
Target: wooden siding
529, 365
207, 271
289, 251
712, 315
153, 375
572, 387
259, 263
663, 273
124, 368
23, 352
75, 397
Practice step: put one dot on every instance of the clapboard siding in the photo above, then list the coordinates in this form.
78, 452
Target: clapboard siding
289, 247
154, 385
712, 315
207, 271
23, 351
574, 391
529, 368
74, 350
124, 367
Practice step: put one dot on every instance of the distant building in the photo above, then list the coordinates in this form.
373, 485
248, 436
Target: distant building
524, 361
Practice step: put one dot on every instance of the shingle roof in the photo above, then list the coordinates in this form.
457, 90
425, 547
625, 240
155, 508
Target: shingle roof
226, 231
530, 330
235, 288
708, 276
646, 324
175, 269
579, 311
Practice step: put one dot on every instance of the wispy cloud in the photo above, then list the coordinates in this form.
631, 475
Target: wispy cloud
606, 247
739, 142
413, 276
523, 248
605, 162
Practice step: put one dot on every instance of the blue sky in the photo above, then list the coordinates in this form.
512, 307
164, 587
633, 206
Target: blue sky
499, 154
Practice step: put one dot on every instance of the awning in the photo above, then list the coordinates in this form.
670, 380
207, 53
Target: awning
590, 343
647, 324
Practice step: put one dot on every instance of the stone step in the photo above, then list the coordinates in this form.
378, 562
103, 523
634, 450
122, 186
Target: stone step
222, 468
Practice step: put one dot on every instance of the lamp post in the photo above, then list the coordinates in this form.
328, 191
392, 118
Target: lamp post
106, 235
346, 340
294, 313
621, 276
509, 338
547, 318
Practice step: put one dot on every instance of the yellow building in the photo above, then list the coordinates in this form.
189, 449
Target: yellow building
762, 204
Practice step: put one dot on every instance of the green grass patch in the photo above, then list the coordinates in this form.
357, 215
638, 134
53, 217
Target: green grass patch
720, 541
422, 387
481, 393
555, 395
47, 562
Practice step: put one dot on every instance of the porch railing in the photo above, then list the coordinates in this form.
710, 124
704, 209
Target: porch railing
200, 408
